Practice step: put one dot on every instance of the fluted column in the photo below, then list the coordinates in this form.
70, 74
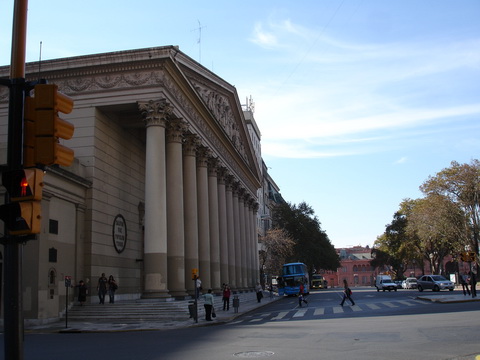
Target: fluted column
241, 216
222, 225
190, 209
214, 224
230, 232
248, 242
256, 263
238, 247
203, 218
175, 216
155, 114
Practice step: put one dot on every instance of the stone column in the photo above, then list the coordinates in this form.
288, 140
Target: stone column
155, 114
248, 242
190, 209
256, 262
230, 231
236, 220
243, 259
175, 220
222, 226
203, 218
214, 224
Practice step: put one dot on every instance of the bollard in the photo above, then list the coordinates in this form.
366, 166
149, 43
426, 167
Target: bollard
236, 303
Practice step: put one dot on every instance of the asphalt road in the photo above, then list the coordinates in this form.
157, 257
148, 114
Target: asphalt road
381, 326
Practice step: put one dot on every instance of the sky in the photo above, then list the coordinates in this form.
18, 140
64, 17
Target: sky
358, 101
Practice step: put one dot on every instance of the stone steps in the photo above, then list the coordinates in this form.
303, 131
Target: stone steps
145, 310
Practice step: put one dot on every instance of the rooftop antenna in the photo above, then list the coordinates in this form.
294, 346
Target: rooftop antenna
199, 41
40, 62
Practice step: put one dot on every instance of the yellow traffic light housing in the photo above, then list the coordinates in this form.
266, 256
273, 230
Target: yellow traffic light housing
43, 127
22, 215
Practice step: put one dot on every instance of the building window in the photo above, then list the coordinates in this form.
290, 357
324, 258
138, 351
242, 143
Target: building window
53, 227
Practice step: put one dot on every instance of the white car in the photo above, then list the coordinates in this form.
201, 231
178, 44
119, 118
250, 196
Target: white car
409, 283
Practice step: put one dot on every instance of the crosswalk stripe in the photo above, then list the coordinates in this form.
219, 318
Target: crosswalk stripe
280, 315
372, 306
356, 308
337, 309
300, 313
319, 311
405, 303
389, 304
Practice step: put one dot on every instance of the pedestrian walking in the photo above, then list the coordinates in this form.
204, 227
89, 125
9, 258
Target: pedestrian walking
112, 287
226, 297
464, 282
102, 288
347, 293
208, 298
301, 295
259, 291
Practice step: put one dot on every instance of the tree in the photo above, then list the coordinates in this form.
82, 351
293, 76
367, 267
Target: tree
312, 245
439, 226
461, 184
396, 248
276, 247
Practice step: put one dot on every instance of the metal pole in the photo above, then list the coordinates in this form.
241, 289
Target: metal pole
13, 302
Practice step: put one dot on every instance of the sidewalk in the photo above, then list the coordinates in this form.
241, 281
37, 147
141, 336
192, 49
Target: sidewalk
248, 303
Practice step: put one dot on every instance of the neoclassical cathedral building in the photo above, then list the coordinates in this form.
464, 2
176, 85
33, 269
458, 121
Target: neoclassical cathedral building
165, 181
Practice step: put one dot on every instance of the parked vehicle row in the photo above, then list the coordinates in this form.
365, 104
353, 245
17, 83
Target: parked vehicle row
425, 282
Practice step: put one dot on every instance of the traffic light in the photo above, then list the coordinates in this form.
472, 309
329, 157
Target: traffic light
43, 127
22, 215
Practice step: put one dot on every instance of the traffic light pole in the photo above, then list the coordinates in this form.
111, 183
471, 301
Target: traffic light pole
13, 300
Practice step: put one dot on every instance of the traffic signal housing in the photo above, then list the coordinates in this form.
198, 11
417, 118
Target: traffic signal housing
43, 127
22, 215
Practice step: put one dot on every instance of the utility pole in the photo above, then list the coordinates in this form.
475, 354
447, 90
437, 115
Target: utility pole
13, 302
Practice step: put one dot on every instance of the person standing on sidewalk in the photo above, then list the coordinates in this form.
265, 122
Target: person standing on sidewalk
208, 298
347, 293
102, 288
464, 282
112, 287
226, 297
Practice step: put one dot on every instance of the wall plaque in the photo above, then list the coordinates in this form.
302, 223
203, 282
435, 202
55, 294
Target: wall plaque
119, 233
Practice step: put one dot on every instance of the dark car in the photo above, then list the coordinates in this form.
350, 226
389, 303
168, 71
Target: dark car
434, 282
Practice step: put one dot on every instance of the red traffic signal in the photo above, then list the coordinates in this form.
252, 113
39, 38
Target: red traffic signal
22, 215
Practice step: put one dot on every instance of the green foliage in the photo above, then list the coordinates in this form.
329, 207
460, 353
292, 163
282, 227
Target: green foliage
311, 244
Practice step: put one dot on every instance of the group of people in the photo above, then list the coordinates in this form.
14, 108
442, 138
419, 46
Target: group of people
104, 286
209, 300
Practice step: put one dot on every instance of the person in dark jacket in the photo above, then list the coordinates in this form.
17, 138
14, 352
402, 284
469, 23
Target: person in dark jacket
347, 293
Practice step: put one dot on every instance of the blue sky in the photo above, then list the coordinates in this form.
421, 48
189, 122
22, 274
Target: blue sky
358, 101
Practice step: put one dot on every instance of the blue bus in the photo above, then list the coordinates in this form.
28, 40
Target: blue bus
294, 274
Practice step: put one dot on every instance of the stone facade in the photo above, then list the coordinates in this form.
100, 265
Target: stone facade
165, 181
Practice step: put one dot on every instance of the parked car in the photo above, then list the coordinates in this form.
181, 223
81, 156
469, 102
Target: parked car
409, 283
398, 283
434, 282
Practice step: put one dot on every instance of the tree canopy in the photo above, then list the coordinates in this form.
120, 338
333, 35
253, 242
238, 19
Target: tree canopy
311, 244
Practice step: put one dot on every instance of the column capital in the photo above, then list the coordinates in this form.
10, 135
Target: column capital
212, 166
176, 129
203, 154
155, 112
191, 144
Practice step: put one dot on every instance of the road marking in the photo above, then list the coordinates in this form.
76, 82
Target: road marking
300, 313
319, 311
280, 315
356, 308
337, 309
389, 304
372, 306
255, 320
406, 303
